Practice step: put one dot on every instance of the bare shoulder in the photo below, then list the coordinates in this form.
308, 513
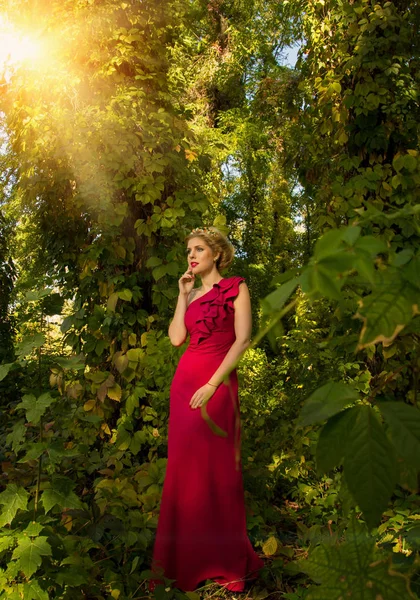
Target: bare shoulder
243, 294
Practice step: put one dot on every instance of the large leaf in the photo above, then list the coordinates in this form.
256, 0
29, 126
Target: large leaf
333, 440
30, 343
326, 401
6, 541
352, 570
411, 271
70, 362
33, 529
34, 451
153, 261
33, 591
276, 300
60, 494
4, 370
330, 563
404, 423
29, 553
17, 436
332, 241
35, 295
387, 310
125, 295
13, 498
35, 408
319, 279
370, 465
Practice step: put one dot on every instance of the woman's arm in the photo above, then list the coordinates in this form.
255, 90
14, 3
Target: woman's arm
243, 325
177, 331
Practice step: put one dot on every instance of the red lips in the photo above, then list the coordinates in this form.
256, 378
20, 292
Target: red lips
194, 264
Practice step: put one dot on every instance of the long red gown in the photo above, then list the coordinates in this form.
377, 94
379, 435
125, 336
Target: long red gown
202, 530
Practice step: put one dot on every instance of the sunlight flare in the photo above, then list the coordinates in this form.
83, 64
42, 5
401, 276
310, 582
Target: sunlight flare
16, 47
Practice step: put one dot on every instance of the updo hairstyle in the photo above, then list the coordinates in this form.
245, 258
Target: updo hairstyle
218, 243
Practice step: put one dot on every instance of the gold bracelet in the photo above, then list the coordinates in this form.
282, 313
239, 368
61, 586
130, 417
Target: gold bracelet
212, 384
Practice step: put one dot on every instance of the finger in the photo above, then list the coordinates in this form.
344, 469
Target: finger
192, 401
196, 403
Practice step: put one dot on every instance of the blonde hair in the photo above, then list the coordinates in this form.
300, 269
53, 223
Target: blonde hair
218, 243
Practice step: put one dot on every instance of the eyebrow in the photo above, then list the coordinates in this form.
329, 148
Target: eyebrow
196, 246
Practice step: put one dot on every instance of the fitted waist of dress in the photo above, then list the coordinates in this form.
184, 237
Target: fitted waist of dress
216, 344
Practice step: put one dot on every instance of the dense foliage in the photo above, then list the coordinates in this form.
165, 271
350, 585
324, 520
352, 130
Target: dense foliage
142, 121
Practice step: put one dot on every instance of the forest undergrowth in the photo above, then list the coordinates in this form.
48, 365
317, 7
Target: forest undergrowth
124, 127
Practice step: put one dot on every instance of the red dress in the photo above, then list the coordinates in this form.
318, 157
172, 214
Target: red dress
202, 530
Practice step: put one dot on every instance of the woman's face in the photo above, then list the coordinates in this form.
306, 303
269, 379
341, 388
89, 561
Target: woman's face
200, 256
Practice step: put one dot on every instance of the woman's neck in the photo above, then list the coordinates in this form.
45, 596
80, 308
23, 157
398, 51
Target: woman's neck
209, 279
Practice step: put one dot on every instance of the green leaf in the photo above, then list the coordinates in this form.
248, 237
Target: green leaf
134, 354
371, 245
326, 282
36, 295
71, 362
17, 436
173, 268
411, 272
35, 450
67, 323
329, 243
125, 295
333, 440
335, 564
121, 362
30, 343
35, 408
413, 537
319, 279
29, 553
153, 261
32, 591
387, 310
410, 162
4, 370
13, 498
275, 301
60, 494
270, 546
370, 466
351, 569
6, 541
326, 401
398, 162
33, 529
114, 392
112, 302
131, 404
159, 272
134, 564
404, 423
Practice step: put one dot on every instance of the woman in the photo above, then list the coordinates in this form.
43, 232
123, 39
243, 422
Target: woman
202, 530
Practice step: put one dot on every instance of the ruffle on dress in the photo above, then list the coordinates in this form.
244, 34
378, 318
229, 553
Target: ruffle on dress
217, 304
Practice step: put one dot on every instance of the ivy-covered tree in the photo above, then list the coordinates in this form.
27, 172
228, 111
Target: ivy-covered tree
108, 182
